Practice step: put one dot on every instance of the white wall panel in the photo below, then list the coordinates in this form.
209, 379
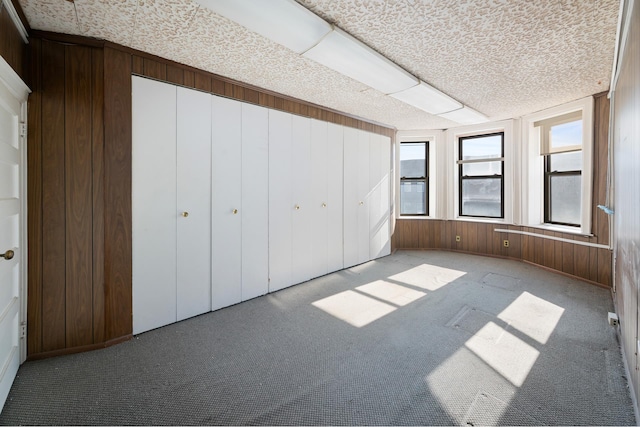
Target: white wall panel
364, 196
335, 155
385, 196
280, 200
375, 213
351, 205
153, 204
301, 191
319, 208
193, 197
226, 199
255, 201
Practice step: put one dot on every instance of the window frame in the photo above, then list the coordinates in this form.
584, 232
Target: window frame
462, 178
533, 167
424, 179
548, 175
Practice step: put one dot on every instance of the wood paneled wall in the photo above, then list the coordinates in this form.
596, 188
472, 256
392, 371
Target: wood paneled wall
79, 183
626, 155
592, 264
12, 48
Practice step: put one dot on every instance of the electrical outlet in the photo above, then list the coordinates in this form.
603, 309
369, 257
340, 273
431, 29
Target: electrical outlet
505, 243
457, 238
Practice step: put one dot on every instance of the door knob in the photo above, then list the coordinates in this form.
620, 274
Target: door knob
7, 255
324, 205
361, 203
235, 211
185, 214
297, 207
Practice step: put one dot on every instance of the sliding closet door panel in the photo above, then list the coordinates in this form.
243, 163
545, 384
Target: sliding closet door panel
375, 213
226, 223
153, 204
335, 172
319, 204
255, 201
351, 197
280, 200
385, 196
364, 196
193, 203
301, 190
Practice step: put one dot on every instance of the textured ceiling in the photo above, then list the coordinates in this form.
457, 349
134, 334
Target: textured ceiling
504, 58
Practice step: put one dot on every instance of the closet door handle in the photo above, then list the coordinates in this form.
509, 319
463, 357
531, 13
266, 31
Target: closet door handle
297, 207
185, 214
361, 203
7, 255
324, 205
235, 211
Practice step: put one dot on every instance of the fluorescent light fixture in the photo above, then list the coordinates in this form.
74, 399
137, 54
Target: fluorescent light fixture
427, 98
282, 21
346, 55
465, 116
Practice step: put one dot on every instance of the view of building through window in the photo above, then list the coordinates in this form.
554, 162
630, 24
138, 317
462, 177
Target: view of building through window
481, 167
414, 190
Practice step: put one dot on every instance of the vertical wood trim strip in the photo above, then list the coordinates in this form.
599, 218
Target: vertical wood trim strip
34, 203
117, 182
97, 85
53, 199
78, 196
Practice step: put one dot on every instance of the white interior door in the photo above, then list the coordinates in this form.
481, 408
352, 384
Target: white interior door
12, 249
319, 198
193, 203
364, 196
280, 200
226, 221
335, 202
255, 201
301, 191
153, 204
351, 198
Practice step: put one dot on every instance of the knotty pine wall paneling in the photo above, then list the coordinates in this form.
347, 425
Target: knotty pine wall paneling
592, 264
79, 183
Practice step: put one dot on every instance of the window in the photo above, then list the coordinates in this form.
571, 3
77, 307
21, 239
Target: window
480, 168
561, 146
414, 178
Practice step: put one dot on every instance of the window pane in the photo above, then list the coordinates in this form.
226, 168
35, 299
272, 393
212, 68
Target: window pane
562, 162
482, 168
482, 197
565, 199
483, 147
412, 160
412, 198
566, 134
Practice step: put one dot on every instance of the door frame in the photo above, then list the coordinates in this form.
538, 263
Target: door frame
12, 85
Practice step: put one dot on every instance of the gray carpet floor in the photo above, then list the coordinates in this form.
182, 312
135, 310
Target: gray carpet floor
419, 338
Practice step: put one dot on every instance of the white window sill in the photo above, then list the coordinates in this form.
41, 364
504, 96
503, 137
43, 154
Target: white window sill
560, 229
415, 217
483, 220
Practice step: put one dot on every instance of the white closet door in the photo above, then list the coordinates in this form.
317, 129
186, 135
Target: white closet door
351, 197
364, 196
335, 181
255, 201
319, 199
301, 190
154, 213
385, 197
193, 203
280, 200
375, 213
226, 223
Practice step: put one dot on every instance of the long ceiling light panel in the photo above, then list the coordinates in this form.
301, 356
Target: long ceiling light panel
285, 21
344, 54
290, 24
